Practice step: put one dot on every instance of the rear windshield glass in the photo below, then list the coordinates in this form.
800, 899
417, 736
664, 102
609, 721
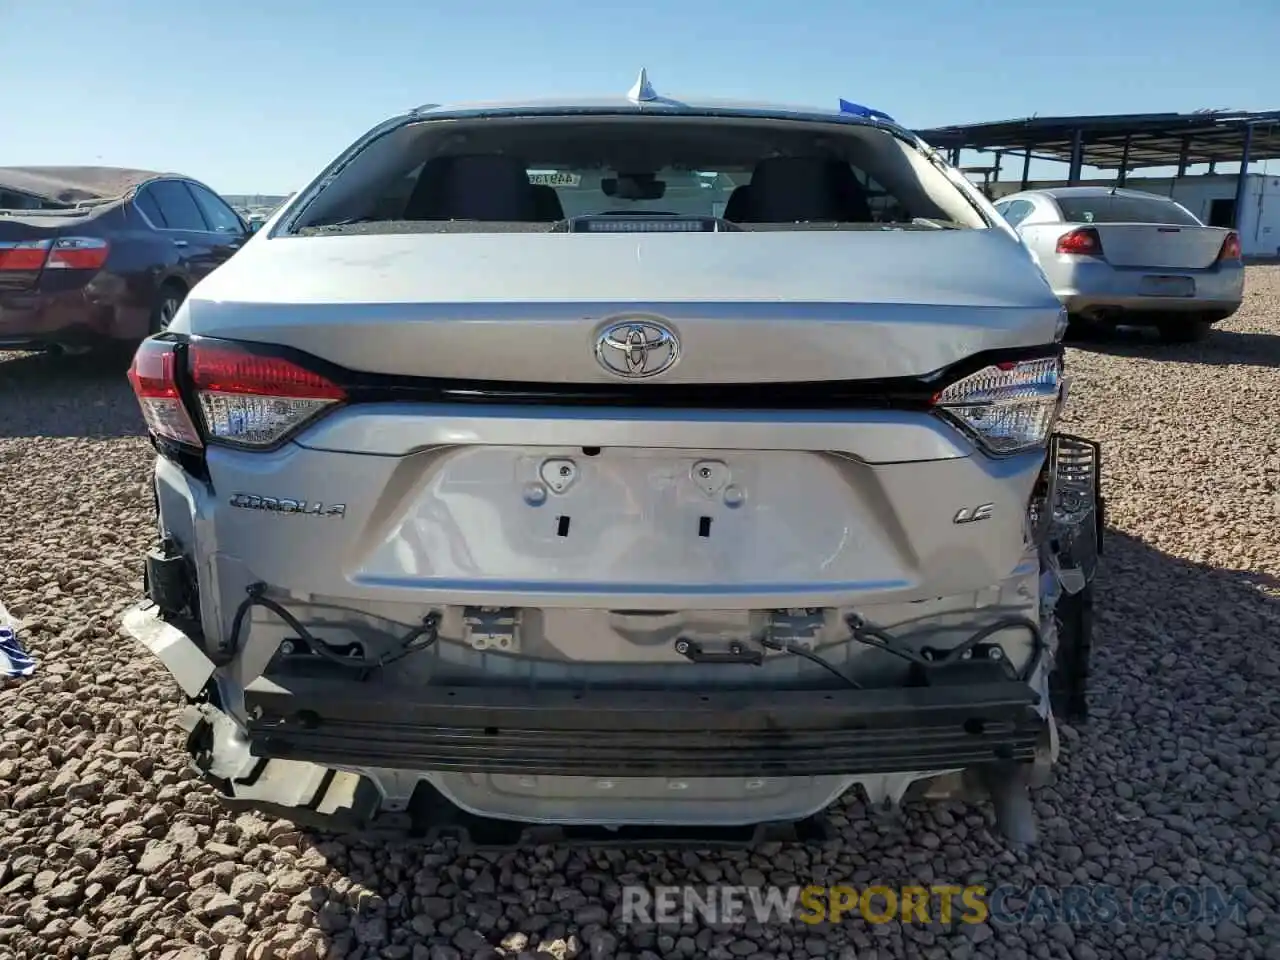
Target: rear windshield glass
543, 173
1108, 209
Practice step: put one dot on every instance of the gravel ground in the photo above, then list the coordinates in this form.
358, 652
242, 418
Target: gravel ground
108, 847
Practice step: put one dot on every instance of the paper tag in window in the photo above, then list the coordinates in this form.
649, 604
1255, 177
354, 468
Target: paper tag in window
555, 179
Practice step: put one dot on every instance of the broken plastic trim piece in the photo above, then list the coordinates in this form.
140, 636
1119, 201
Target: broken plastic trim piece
1073, 511
181, 656
306, 793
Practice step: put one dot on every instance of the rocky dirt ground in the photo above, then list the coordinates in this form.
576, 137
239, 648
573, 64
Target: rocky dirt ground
108, 847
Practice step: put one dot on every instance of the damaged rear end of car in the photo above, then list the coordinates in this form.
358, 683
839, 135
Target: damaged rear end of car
716, 483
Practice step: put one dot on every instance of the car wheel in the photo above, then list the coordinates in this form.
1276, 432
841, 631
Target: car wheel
1184, 330
1070, 678
166, 308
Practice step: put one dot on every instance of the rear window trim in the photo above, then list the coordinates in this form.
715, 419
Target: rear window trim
438, 227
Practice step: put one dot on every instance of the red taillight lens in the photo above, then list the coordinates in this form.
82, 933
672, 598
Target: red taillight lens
78, 253
233, 369
153, 375
254, 400
24, 255
1230, 247
1083, 242
64, 253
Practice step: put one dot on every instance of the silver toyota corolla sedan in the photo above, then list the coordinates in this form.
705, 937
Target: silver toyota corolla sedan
620, 463
1128, 257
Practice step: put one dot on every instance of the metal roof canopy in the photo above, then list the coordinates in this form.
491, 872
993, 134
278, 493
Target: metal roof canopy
1124, 141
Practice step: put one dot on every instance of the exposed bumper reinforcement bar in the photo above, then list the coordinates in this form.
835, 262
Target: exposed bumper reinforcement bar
343, 801
619, 733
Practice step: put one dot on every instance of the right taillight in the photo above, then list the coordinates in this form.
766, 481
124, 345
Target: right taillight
1007, 407
1081, 242
1230, 248
255, 399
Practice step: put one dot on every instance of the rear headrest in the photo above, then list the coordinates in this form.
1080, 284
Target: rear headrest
852, 195
738, 205
789, 189
474, 187
547, 203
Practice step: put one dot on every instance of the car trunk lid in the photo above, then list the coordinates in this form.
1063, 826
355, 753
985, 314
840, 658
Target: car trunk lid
1162, 246
531, 307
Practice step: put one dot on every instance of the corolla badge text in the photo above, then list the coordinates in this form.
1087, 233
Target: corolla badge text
250, 501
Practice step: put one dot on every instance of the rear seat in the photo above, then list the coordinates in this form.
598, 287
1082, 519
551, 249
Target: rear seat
796, 189
487, 187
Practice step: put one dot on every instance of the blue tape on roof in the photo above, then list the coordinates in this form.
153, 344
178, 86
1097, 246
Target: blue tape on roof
860, 111
14, 660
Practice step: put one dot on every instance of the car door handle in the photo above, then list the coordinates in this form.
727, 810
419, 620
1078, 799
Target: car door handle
179, 243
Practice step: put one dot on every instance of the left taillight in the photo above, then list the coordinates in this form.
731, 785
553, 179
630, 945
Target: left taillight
154, 377
1080, 242
1008, 407
64, 253
24, 256
242, 396
255, 399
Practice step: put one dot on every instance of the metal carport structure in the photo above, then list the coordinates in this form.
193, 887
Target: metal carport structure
1123, 142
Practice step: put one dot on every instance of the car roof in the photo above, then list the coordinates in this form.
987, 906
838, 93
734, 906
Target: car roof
643, 99
699, 105
77, 184
1094, 191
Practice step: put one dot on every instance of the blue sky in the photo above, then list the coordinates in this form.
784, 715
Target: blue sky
256, 97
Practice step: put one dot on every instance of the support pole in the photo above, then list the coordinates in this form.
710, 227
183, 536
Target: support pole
1184, 155
995, 172
1124, 163
1026, 169
1077, 158
1242, 179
